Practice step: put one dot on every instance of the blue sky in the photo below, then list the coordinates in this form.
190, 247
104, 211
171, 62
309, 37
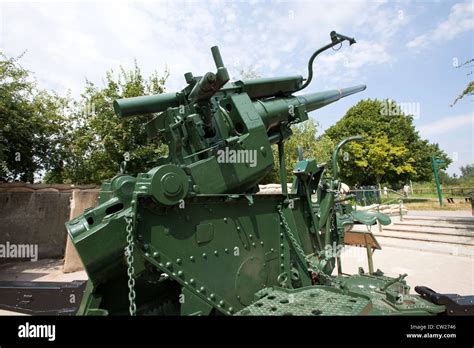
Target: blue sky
405, 49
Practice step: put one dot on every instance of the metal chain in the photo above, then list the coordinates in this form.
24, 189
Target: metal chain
313, 268
130, 269
292, 237
333, 218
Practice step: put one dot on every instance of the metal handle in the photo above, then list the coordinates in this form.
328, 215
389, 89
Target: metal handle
336, 151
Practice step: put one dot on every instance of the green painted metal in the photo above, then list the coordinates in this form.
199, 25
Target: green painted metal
336, 154
434, 163
191, 236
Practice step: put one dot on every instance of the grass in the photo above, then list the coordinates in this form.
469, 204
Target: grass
430, 203
434, 205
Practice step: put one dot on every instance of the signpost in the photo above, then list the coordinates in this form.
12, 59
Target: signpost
435, 163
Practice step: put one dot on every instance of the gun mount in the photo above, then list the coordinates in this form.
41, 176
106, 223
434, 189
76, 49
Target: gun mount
197, 237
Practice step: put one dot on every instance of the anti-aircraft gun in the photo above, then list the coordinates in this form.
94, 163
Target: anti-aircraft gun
192, 236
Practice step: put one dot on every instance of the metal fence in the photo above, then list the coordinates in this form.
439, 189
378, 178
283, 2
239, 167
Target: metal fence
367, 195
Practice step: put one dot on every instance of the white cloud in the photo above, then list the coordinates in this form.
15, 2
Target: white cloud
69, 41
447, 124
460, 20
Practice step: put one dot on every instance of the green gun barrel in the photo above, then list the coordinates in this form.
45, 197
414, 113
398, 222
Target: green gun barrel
274, 112
145, 104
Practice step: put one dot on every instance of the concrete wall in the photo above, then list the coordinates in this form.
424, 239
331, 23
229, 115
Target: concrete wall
81, 199
35, 214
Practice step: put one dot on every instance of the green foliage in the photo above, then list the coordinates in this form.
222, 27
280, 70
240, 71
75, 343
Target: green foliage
392, 151
465, 180
467, 171
469, 90
31, 124
445, 179
71, 140
98, 140
467, 176
304, 135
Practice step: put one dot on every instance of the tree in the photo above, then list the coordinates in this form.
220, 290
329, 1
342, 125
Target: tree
98, 141
467, 170
30, 121
445, 179
392, 151
304, 135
